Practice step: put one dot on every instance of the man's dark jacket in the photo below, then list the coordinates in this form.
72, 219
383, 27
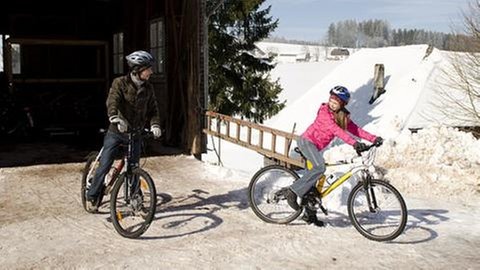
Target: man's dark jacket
133, 104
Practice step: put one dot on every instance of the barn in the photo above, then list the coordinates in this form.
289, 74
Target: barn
60, 57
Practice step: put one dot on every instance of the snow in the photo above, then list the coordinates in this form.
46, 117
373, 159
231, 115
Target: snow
410, 79
203, 219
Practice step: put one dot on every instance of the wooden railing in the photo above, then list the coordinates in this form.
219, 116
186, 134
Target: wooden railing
272, 143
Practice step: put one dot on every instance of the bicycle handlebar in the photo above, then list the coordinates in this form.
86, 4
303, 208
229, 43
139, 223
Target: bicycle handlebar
359, 153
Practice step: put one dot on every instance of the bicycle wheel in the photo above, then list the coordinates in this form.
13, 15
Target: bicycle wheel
132, 209
377, 211
87, 178
266, 194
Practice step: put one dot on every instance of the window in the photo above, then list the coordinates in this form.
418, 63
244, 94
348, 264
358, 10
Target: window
118, 53
1, 53
16, 59
157, 44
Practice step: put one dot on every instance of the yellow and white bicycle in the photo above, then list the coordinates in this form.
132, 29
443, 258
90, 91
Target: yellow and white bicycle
375, 208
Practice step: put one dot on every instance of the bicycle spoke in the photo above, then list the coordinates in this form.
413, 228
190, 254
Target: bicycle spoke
378, 212
132, 211
267, 194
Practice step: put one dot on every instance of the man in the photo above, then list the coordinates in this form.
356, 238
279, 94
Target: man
130, 103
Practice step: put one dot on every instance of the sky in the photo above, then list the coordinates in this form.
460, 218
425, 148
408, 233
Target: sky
309, 19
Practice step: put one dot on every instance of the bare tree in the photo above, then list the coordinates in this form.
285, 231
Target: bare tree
459, 94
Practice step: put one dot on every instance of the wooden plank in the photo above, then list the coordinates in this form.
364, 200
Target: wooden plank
228, 128
260, 139
274, 142
249, 135
238, 132
268, 153
283, 158
253, 125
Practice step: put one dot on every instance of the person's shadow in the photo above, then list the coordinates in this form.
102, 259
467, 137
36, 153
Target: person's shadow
193, 213
417, 230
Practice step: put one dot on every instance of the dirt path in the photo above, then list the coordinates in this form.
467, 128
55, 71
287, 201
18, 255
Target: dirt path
205, 222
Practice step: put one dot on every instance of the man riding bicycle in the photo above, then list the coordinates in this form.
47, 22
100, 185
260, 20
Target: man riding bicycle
130, 103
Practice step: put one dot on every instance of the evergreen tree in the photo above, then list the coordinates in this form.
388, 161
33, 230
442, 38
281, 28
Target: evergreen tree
239, 83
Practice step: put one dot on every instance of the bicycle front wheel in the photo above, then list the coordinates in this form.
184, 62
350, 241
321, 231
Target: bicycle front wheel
132, 203
266, 194
377, 210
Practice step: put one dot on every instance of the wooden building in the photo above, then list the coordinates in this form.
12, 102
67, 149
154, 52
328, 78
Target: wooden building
60, 58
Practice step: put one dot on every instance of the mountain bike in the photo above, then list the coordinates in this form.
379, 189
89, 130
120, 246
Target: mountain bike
133, 196
376, 209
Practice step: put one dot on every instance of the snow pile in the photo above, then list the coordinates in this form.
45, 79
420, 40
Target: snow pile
441, 162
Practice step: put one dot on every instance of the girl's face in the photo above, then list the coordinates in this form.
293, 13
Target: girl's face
334, 104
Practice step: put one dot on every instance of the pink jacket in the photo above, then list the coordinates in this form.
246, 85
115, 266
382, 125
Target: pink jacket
324, 129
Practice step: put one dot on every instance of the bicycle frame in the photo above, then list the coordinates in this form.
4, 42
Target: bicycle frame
361, 163
118, 167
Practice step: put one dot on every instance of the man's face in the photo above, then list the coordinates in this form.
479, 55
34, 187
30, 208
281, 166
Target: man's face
145, 74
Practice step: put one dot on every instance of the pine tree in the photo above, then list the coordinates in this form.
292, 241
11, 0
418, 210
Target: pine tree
239, 82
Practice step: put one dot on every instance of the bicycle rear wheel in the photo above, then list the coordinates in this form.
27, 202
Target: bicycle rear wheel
132, 203
377, 210
266, 194
87, 178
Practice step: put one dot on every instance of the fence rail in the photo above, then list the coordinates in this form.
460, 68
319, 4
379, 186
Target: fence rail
242, 132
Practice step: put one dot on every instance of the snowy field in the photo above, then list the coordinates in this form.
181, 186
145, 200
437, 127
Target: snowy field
203, 220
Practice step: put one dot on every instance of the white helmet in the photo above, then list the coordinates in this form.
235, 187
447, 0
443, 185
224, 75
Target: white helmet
139, 60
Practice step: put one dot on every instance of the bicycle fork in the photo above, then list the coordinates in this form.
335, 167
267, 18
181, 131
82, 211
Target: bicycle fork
370, 193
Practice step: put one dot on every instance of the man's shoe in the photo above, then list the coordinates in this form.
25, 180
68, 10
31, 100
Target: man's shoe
292, 199
91, 205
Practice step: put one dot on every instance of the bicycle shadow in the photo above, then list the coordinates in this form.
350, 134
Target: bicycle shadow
193, 213
417, 230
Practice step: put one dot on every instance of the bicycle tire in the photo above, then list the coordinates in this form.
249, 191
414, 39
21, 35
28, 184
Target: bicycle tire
390, 218
83, 189
140, 214
264, 197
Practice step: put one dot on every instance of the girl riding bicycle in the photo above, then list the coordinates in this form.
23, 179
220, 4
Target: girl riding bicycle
332, 121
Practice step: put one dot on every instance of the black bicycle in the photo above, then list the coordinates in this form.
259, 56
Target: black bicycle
133, 197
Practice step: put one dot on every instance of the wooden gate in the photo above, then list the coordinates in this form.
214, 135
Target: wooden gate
272, 143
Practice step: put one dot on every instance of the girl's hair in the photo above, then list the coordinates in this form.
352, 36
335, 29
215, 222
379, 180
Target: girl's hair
341, 118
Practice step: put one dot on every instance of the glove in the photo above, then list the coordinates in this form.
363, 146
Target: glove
121, 124
360, 147
378, 141
157, 132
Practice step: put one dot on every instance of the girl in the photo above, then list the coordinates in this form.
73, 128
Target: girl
332, 121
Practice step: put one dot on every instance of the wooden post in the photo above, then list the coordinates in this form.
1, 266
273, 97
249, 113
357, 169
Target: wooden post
260, 140
378, 82
274, 142
249, 135
238, 131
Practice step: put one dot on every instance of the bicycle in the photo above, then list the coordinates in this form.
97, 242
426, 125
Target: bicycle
376, 209
133, 196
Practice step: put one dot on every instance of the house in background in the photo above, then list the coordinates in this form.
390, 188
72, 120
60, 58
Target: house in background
339, 54
60, 57
293, 53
